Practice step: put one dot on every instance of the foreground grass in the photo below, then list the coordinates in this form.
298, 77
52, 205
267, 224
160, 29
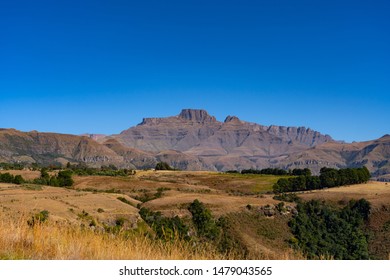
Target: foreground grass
54, 241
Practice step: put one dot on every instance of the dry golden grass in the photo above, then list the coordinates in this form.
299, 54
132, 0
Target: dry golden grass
61, 241
265, 237
26, 174
378, 193
248, 183
222, 193
65, 204
219, 203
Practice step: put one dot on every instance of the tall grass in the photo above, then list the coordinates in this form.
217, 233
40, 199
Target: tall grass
61, 241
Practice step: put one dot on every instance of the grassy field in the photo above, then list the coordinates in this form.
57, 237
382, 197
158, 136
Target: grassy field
62, 241
378, 193
83, 213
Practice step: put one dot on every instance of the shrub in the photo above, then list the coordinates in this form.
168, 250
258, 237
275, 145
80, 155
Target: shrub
203, 220
165, 228
38, 218
163, 166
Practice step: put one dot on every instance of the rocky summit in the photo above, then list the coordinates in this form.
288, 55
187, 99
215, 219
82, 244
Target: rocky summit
195, 140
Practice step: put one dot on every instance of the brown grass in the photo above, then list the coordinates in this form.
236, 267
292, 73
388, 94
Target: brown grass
61, 241
64, 204
224, 194
378, 193
219, 204
26, 174
248, 183
265, 237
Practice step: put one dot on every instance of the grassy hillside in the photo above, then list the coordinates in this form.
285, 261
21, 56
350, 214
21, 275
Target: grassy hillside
62, 241
103, 212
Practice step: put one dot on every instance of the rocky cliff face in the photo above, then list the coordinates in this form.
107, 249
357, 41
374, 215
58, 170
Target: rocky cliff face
179, 133
198, 133
197, 116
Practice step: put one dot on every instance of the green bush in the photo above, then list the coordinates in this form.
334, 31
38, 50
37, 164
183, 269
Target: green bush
38, 218
163, 166
165, 228
203, 220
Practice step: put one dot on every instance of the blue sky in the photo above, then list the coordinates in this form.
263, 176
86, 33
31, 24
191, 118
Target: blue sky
101, 66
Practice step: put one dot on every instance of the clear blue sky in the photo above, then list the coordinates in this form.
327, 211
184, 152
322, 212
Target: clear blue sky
101, 66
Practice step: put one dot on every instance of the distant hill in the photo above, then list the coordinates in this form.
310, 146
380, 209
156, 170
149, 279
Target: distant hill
48, 148
195, 140
375, 155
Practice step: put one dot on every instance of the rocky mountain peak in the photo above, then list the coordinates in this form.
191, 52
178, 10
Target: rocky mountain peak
231, 119
150, 121
196, 115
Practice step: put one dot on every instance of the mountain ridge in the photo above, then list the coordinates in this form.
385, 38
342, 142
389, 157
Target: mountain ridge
195, 140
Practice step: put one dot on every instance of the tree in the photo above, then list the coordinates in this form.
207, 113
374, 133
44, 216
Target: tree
18, 180
6, 178
163, 166
64, 178
203, 220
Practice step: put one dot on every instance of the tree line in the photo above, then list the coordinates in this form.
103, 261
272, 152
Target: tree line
61, 179
11, 179
274, 171
329, 178
110, 170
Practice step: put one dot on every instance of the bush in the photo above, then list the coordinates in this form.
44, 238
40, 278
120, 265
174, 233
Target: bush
203, 220
38, 218
165, 228
163, 166
64, 178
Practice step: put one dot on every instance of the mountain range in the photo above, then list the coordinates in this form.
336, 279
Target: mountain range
195, 140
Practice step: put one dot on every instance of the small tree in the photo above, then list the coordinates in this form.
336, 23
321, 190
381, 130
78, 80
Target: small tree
38, 218
163, 166
64, 178
18, 180
203, 220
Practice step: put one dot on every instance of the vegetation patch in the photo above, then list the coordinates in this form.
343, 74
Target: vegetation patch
124, 200
163, 166
9, 178
329, 178
38, 218
62, 179
322, 231
146, 195
110, 170
84, 216
32, 187
165, 228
